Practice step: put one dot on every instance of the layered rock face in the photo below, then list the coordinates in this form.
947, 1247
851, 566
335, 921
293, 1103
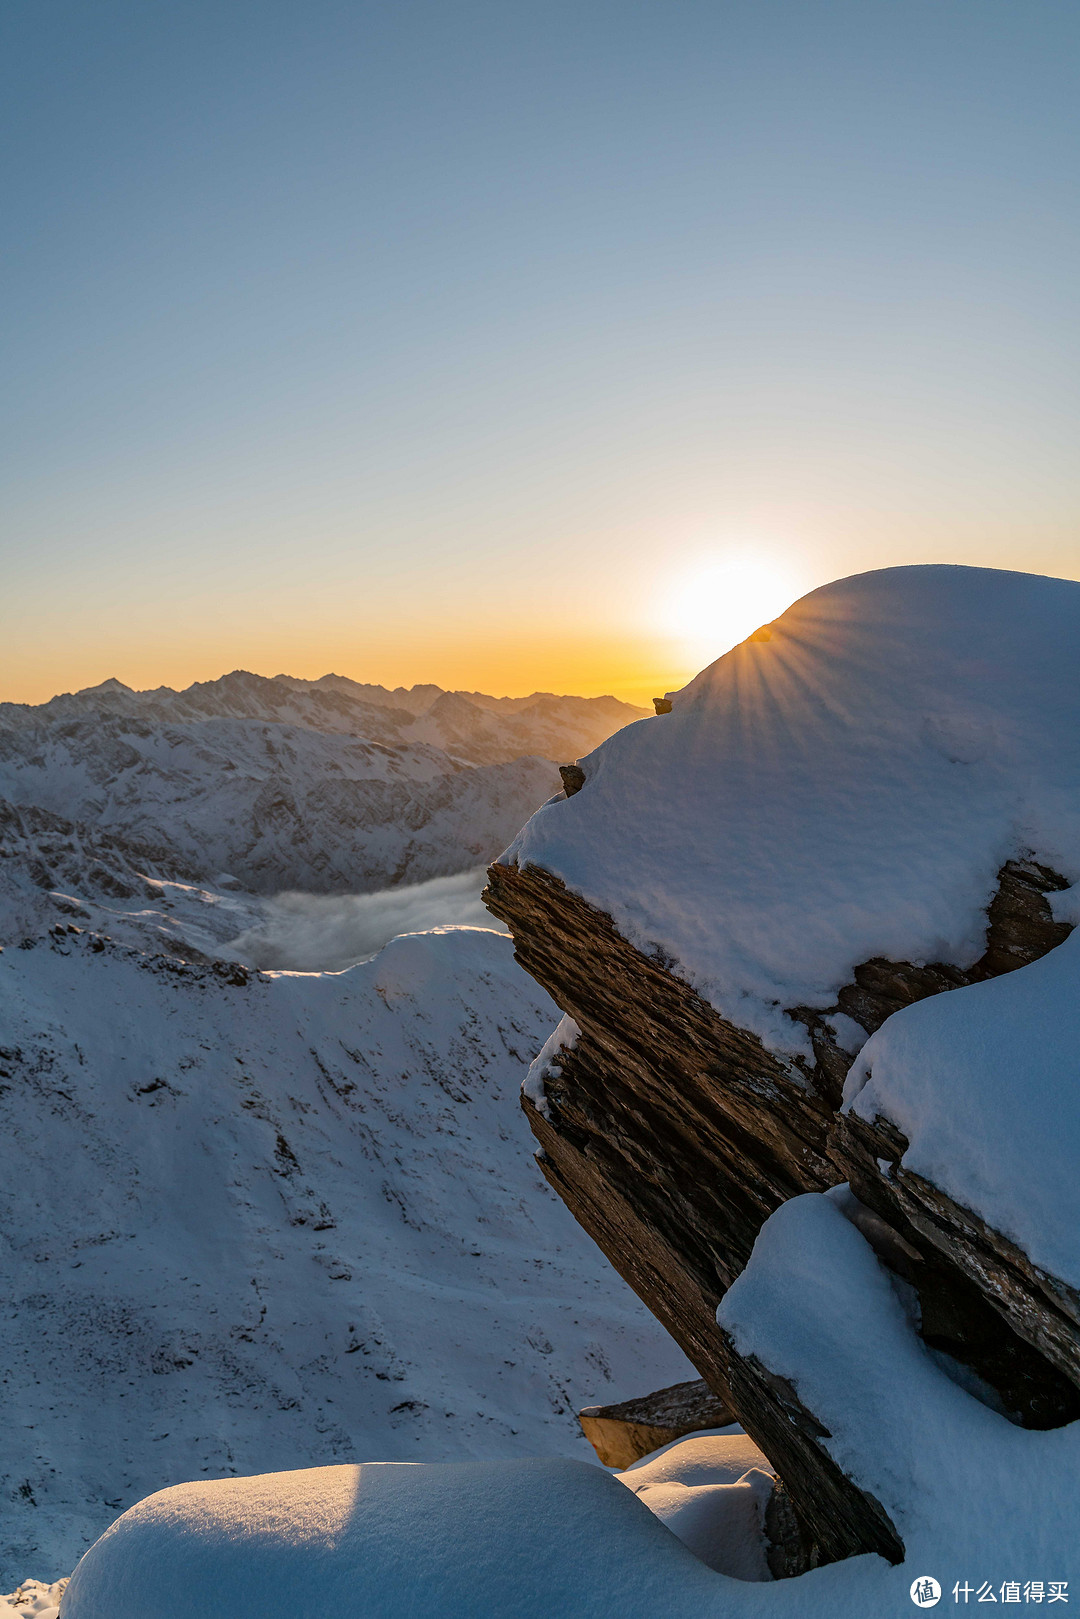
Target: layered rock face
621, 1434
727, 908
672, 1135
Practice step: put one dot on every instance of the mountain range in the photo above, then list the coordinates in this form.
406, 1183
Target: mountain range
251, 785
260, 1220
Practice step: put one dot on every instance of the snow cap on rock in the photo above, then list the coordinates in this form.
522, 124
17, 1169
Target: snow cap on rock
848, 788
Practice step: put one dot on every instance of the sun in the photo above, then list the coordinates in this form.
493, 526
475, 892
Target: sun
714, 606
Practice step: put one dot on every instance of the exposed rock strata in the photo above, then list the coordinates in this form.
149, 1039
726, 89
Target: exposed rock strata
982, 1300
672, 1135
835, 1518
1020, 929
622, 1434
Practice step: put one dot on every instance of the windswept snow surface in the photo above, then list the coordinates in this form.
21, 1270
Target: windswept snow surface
554, 1539
985, 1084
848, 788
259, 1225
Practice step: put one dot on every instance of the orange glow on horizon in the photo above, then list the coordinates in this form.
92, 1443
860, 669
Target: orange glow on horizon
574, 665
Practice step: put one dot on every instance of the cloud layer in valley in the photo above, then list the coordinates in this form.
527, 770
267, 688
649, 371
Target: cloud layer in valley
327, 932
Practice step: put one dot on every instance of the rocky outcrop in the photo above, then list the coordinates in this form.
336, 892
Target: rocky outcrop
621, 1434
1020, 929
830, 1517
981, 1298
672, 1135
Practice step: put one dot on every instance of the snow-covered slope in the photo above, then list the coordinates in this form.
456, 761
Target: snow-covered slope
844, 785
988, 1511
272, 804
292, 784
262, 1222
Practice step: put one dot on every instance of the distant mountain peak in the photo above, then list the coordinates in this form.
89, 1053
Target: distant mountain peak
106, 686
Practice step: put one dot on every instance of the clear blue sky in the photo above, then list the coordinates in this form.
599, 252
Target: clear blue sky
460, 341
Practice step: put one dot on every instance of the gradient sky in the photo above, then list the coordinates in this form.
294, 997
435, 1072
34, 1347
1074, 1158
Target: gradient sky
514, 346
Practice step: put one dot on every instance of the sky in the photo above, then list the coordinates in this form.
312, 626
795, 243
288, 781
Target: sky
520, 346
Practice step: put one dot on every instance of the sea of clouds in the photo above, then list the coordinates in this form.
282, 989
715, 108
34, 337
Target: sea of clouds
327, 932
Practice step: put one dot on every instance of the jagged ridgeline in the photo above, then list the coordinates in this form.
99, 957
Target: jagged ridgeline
874, 802
323, 785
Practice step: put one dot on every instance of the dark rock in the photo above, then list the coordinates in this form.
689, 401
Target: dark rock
1020, 929
982, 1300
573, 779
622, 1434
672, 1135
833, 1517
662, 705
788, 1549
231, 972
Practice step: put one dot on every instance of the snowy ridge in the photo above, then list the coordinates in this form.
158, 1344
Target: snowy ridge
260, 1222
842, 787
317, 785
477, 728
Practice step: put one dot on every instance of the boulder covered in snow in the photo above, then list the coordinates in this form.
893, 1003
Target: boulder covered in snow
876, 805
474, 1540
961, 1130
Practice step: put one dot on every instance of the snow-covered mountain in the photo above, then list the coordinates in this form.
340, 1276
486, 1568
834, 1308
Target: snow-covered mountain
263, 1221
324, 786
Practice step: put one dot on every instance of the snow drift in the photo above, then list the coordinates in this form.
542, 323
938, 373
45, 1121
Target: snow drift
983, 1505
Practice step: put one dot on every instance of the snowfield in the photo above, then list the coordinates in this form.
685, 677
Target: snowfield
260, 1225
981, 1504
